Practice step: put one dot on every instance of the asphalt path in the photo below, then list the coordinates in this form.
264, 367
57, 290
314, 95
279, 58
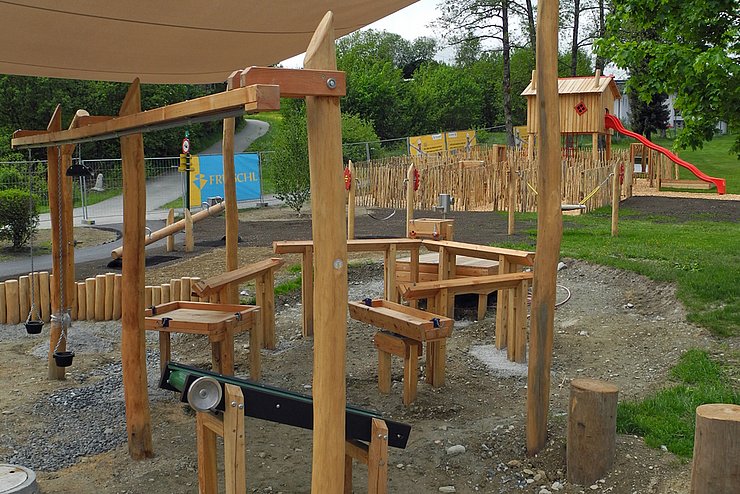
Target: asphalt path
159, 191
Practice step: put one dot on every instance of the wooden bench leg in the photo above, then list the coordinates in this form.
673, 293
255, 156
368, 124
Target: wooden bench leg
482, 305
502, 308
384, 371
255, 344
520, 322
165, 350
436, 351
410, 373
307, 291
227, 354
216, 356
377, 464
235, 478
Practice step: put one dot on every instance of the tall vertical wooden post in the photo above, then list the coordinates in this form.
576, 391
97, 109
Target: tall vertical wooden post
616, 195
55, 191
330, 257
351, 193
549, 227
409, 197
232, 212
133, 355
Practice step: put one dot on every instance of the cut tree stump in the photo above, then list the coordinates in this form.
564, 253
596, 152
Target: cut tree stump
716, 467
592, 428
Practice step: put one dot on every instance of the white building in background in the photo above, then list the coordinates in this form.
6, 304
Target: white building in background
675, 120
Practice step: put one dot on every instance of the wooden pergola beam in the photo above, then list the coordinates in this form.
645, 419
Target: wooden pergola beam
249, 99
298, 83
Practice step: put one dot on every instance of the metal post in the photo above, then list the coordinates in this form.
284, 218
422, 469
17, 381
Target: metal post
367, 151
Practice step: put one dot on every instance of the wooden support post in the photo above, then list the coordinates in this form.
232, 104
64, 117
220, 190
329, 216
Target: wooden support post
156, 295
3, 305
512, 202
170, 238
100, 297
90, 294
595, 146
409, 197
265, 298
329, 236
45, 298
716, 469
175, 289
255, 345
11, 301
384, 370
410, 372
391, 292
148, 296
615, 201
231, 295
351, 202
166, 293
307, 273
133, 355
502, 308
117, 290
206, 444
24, 297
235, 473
549, 227
81, 301
414, 270
189, 239
377, 458
592, 430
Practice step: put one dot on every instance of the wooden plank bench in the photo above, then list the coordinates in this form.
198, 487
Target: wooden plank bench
509, 261
464, 266
440, 291
220, 322
263, 272
389, 246
407, 330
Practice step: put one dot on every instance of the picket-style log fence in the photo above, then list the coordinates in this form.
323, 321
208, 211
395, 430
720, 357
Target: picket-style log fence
97, 298
480, 179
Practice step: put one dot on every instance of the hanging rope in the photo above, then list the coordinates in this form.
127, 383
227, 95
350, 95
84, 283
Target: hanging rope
381, 219
593, 192
30, 245
62, 317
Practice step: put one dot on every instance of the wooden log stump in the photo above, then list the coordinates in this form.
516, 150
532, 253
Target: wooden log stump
90, 295
716, 467
592, 425
100, 297
81, 301
12, 302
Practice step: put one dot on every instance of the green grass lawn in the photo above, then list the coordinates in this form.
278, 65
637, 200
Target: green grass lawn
667, 418
701, 257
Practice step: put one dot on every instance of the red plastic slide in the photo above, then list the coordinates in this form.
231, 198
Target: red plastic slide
613, 122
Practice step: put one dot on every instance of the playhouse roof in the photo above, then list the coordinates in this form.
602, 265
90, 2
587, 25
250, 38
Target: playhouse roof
580, 85
188, 41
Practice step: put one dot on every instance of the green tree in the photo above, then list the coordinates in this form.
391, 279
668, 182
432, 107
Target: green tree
18, 216
648, 117
288, 164
695, 53
358, 137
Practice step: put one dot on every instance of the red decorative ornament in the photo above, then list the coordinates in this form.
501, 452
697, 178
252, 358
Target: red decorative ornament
347, 179
417, 179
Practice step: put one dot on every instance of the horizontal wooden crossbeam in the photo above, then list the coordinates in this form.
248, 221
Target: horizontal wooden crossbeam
363, 245
214, 284
520, 257
297, 83
248, 99
473, 284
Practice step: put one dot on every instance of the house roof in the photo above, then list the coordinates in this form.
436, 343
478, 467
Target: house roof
188, 41
580, 85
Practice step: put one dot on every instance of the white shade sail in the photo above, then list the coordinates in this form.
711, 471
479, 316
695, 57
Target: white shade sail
184, 41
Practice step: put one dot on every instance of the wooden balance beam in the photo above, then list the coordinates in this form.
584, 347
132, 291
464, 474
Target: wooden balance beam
367, 434
390, 247
174, 227
216, 288
516, 320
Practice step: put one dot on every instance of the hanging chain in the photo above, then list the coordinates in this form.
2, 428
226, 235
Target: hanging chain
62, 317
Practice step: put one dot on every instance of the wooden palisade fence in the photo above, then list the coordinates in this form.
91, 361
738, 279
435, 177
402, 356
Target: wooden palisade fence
96, 299
484, 186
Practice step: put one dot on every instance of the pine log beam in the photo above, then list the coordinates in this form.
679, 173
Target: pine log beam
520, 257
248, 99
297, 83
231, 293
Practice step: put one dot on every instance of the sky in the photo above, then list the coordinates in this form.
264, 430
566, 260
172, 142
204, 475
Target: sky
410, 22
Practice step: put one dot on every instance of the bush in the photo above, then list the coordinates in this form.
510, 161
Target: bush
17, 223
289, 169
10, 178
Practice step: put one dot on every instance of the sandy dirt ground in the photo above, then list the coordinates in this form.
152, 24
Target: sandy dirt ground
617, 326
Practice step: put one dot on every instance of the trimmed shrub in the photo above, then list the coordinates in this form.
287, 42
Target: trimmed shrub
17, 223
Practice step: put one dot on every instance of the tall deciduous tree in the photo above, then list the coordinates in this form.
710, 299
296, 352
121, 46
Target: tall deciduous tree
462, 20
695, 53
